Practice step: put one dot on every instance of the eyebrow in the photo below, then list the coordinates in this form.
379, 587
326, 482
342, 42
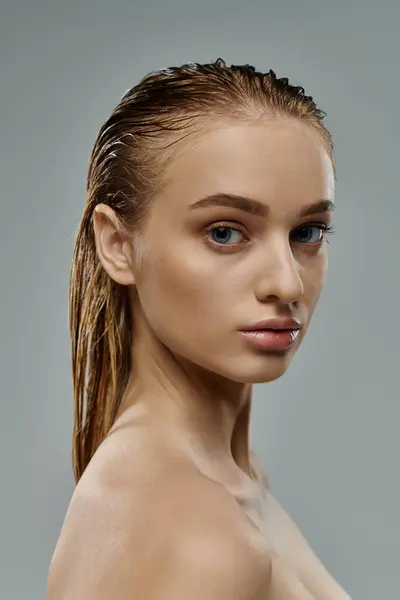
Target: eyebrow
254, 207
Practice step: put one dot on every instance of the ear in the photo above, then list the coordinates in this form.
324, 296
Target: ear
112, 246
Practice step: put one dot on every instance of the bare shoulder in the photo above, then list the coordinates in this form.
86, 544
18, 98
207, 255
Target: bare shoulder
208, 549
208, 561
96, 548
92, 556
183, 527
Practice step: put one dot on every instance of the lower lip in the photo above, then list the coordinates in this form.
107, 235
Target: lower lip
270, 339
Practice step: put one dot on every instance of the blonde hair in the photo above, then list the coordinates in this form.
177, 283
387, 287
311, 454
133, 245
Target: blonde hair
130, 152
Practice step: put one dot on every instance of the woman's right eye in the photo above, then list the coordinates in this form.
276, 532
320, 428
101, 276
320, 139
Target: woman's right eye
224, 235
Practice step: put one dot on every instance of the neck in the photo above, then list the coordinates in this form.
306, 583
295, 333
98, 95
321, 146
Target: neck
208, 412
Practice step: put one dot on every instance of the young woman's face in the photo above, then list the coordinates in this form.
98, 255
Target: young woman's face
237, 236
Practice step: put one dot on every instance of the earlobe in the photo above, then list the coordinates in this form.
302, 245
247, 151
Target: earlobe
112, 246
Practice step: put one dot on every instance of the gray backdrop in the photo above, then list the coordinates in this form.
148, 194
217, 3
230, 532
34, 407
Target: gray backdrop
328, 431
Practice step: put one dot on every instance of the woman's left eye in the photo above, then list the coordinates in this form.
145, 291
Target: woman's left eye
310, 234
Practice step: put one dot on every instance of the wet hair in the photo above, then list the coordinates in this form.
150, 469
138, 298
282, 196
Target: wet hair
130, 154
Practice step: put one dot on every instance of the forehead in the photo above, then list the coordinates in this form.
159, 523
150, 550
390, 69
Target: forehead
272, 161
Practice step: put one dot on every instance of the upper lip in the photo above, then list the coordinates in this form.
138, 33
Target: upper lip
274, 323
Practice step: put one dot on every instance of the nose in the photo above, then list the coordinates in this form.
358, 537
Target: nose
280, 279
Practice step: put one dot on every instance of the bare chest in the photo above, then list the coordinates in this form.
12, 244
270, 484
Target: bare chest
284, 538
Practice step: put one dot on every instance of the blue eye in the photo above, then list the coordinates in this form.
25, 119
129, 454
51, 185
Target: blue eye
310, 234
223, 235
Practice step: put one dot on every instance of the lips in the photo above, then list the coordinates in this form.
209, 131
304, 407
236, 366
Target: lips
274, 324
270, 340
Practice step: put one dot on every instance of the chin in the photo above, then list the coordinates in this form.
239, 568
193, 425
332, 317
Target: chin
264, 369
265, 375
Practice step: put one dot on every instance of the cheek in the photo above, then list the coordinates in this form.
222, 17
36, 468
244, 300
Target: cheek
187, 305
182, 288
313, 280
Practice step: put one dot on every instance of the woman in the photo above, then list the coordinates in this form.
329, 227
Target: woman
199, 261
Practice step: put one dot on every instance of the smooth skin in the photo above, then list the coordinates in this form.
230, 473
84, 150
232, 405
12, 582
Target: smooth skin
174, 505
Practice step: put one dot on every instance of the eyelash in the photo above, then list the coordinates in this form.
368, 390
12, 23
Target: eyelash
327, 229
